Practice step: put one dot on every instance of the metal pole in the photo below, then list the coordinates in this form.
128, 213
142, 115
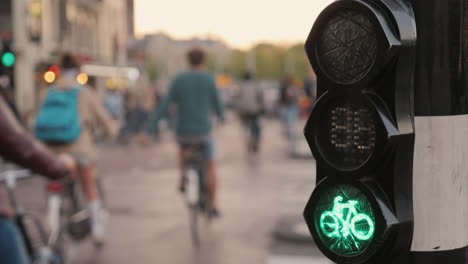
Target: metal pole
26, 53
441, 124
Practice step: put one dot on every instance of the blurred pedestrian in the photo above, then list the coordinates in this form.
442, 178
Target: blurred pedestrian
250, 105
113, 101
310, 87
195, 96
146, 103
130, 117
289, 111
64, 124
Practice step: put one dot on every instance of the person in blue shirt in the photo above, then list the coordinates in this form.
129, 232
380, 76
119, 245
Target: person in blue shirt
196, 98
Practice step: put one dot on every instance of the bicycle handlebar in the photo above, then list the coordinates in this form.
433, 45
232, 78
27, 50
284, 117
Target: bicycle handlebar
10, 177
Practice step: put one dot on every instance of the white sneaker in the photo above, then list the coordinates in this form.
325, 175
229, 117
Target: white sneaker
98, 222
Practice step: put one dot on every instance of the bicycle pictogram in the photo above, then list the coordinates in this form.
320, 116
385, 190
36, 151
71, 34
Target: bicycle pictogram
344, 221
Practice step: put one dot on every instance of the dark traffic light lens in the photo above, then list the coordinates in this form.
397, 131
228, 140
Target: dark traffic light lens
347, 47
344, 220
347, 134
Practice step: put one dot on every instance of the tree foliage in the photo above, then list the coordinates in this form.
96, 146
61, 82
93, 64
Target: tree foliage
272, 62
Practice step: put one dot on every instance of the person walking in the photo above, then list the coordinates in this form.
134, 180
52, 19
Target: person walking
113, 102
250, 105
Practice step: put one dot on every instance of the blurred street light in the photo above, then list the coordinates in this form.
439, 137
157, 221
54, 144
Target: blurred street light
49, 77
82, 78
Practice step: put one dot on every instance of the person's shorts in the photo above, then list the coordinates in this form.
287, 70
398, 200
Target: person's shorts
208, 150
82, 160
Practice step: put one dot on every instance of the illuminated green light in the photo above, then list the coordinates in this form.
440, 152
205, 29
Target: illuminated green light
8, 59
344, 220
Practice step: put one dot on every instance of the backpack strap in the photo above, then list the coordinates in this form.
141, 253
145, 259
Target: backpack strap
76, 90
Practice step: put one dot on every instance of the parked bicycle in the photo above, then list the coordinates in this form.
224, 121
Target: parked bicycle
196, 193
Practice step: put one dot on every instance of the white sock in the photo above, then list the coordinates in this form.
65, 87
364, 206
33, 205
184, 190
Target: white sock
98, 219
94, 208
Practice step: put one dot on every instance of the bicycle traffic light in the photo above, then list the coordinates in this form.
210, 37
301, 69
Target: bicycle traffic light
361, 131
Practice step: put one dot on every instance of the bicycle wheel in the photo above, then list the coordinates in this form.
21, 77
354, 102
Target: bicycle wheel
204, 200
36, 240
195, 224
329, 224
78, 221
193, 188
192, 197
58, 243
362, 227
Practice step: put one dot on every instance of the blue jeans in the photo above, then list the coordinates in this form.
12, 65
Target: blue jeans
12, 250
208, 151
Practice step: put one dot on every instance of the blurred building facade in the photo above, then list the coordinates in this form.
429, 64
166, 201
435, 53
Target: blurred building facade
96, 31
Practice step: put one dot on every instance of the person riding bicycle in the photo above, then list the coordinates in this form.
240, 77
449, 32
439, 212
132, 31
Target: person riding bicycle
250, 105
88, 112
18, 147
195, 95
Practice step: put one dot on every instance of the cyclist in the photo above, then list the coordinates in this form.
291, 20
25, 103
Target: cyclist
195, 97
250, 106
83, 149
18, 147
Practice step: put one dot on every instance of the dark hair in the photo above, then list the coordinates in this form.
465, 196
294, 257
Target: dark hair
195, 57
247, 76
68, 62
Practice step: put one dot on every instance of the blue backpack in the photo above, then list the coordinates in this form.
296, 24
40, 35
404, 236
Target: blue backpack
58, 120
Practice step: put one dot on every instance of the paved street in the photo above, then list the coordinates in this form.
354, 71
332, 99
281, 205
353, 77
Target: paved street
149, 220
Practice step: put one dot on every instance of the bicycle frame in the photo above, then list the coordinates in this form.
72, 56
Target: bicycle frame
194, 166
197, 192
77, 221
37, 253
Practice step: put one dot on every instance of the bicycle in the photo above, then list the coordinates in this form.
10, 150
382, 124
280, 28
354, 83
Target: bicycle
66, 210
42, 247
344, 220
196, 194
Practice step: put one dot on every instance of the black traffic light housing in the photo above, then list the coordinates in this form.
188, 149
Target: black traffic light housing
361, 131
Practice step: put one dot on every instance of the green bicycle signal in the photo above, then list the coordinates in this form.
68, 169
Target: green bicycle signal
345, 220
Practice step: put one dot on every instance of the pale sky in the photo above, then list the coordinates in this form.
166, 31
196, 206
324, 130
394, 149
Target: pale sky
241, 23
